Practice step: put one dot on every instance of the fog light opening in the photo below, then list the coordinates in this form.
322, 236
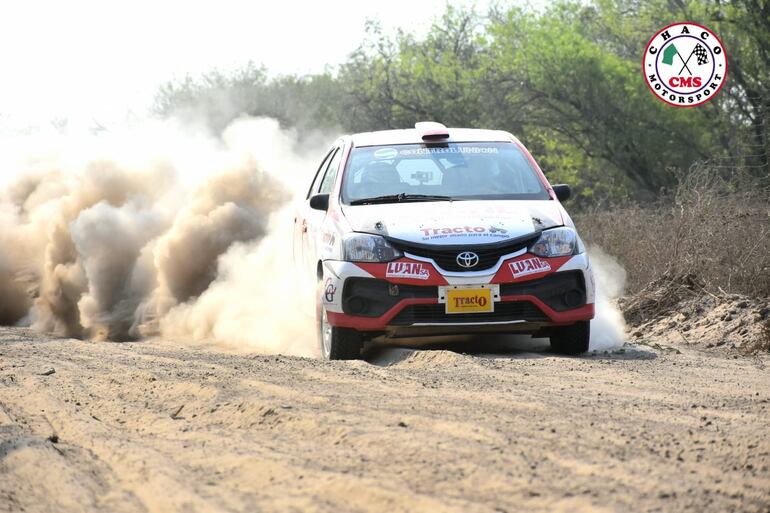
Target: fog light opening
573, 298
357, 305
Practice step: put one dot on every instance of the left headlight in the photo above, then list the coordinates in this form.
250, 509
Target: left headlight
558, 242
362, 247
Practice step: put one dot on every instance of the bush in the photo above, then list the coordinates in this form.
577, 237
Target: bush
711, 226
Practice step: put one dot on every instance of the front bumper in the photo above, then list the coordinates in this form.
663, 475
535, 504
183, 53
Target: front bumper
402, 297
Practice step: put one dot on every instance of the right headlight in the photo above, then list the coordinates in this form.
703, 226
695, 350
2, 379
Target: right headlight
362, 247
558, 242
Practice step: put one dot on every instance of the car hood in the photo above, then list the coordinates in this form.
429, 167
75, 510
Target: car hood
455, 222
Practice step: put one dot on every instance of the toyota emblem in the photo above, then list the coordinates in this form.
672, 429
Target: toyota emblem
467, 259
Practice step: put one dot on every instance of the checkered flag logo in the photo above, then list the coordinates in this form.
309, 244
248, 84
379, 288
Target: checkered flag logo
700, 54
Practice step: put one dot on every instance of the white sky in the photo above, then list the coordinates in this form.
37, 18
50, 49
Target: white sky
83, 59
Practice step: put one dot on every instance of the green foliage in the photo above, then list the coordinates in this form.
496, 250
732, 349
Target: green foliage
566, 80
394, 83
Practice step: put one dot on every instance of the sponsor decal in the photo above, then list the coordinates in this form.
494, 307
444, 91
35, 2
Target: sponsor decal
529, 266
469, 300
328, 240
411, 270
329, 290
451, 149
685, 64
385, 153
464, 231
456, 229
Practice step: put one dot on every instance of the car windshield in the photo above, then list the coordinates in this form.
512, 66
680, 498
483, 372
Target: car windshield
440, 171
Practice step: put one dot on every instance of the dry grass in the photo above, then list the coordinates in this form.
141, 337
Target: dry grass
712, 229
660, 297
763, 345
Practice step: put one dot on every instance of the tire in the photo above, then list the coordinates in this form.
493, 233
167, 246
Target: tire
338, 343
571, 340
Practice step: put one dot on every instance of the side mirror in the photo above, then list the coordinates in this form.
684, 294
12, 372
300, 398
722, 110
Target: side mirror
562, 191
319, 202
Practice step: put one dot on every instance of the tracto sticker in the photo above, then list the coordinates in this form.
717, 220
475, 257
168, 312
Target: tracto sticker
529, 266
464, 231
385, 153
412, 270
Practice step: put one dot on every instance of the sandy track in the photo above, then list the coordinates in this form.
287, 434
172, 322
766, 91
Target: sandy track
640, 430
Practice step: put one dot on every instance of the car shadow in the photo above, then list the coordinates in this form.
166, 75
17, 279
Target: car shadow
389, 352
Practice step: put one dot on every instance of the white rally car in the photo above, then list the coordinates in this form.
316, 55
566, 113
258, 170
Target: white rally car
436, 231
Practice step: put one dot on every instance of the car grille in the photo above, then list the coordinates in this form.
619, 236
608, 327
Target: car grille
446, 256
436, 314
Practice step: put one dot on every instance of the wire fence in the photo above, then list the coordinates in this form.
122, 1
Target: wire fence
749, 147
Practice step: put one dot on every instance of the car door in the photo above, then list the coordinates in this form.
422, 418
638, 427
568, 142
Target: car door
315, 218
307, 221
302, 210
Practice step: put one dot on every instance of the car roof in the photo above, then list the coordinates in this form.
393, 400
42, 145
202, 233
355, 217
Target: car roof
412, 136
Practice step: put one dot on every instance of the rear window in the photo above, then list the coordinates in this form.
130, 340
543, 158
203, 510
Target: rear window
459, 170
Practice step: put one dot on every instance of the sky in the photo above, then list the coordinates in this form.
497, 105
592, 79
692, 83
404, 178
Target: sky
93, 61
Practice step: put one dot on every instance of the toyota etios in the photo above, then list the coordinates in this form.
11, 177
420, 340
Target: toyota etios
435, 231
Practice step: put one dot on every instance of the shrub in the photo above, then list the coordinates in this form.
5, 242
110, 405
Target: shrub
711, 226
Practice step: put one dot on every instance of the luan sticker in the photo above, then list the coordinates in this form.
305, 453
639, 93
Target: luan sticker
410, 270
528, 266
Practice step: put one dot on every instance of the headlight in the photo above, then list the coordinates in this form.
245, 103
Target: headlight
361, 247
557, 242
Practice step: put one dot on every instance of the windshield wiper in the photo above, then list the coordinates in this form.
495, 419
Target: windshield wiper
397, 198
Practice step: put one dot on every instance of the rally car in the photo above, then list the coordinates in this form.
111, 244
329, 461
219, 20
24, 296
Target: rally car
435, 231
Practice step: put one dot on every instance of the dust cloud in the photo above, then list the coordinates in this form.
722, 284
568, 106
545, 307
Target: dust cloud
160, 229
608, 328
154, 229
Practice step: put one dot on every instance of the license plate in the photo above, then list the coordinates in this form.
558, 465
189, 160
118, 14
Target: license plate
469, 300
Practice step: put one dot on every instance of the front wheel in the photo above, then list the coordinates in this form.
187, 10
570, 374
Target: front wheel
571, 340
338, 343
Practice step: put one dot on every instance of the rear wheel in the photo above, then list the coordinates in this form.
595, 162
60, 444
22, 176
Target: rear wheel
338, 343
572, 339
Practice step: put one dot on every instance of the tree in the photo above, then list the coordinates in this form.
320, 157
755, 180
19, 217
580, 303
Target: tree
565, 79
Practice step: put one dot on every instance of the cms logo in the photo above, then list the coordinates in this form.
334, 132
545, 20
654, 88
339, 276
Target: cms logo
685, 82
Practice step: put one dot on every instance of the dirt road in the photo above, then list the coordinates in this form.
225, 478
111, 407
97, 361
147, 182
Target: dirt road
159, 427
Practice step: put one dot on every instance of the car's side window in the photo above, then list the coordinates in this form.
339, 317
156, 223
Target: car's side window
320, 173
331, 174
